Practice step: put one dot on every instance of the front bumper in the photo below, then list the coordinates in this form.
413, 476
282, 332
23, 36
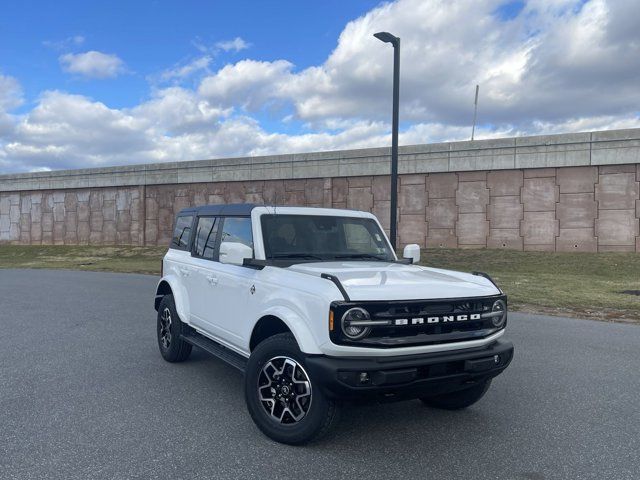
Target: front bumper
411, 376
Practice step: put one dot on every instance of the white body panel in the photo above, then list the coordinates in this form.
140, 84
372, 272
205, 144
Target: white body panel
228, 307
394, 281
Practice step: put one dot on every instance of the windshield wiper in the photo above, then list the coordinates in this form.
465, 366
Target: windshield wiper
363, 255
296, 255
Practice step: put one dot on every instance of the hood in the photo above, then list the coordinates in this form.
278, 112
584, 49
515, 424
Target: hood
394, 281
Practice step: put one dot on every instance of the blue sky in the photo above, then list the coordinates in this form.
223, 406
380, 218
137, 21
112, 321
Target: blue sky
152, 35
105, 83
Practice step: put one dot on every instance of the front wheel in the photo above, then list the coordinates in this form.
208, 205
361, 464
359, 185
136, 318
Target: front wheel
460, 399
282, 398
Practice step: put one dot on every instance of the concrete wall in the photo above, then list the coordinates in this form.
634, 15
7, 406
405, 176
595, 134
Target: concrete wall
561, 192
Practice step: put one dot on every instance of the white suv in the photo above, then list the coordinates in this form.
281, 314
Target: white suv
315, 308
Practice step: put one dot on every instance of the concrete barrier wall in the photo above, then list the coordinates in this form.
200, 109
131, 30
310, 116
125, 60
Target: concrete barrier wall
560, 192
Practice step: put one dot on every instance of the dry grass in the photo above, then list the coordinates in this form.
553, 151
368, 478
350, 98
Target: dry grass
124, 259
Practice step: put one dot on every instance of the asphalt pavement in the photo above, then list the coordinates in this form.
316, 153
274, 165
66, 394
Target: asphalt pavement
85, 394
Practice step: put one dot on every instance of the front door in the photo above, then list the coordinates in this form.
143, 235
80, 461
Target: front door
234, 284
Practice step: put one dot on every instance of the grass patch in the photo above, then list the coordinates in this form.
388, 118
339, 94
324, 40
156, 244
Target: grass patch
123, 259
578, 284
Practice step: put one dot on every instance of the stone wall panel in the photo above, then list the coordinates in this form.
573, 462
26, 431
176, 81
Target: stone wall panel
314, 191
412, 198
508, 238
340, 190
442, 238
70, 201
84, 231
442, 213
360, 198
382, 210
505, 182
539, 194
442, 185
381, 187
505, 212
576, 240
273, 193
472, 229
577, 179
32, 233
539, 229
58, 233
617, 228
472, 197
616, 191
412, 229
577, 210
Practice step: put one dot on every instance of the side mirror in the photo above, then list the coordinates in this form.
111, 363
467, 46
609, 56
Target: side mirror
412, 251
234, 253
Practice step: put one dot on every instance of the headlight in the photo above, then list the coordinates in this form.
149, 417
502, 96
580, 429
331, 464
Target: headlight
499, 311
350, 320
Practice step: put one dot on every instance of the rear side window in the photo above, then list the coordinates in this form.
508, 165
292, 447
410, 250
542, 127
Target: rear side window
237, 229
182, 232
206, 235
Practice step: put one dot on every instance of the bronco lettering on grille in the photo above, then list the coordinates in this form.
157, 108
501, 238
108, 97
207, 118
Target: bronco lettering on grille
437, 319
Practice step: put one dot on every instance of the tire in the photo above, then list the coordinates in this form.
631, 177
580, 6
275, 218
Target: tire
169, 328
277, 367
460, 399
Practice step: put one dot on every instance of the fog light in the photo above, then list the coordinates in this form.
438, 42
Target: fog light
496, 359
364, 377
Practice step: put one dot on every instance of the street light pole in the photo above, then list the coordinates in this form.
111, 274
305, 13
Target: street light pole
395, 41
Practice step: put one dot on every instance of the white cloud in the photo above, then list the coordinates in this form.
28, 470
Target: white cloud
10, 98
184, 70
559, 66
248, 83
10, 93
69, 42
179, 111
235, 45
65, 131
92, 64
199, 65
556, 60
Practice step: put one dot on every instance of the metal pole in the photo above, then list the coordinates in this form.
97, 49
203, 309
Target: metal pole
475, 112
394, 142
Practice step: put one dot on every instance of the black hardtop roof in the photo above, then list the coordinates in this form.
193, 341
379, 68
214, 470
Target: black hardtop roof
234, 209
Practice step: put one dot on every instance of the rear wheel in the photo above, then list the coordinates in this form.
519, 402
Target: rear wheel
282, 398
169, 328
460, 399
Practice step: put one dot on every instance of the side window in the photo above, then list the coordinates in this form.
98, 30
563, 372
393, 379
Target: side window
182, 232
206, 233
238, 230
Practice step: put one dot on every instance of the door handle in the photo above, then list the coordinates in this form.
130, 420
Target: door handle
212, 280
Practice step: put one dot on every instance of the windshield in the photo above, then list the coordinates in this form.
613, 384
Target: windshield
318, 237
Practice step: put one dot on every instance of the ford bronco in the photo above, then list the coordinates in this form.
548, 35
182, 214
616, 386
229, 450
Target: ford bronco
315, 308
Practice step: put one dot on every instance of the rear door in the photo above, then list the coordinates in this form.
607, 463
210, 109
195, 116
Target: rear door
177, 261
204, 279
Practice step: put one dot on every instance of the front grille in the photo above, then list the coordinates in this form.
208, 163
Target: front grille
421, 322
